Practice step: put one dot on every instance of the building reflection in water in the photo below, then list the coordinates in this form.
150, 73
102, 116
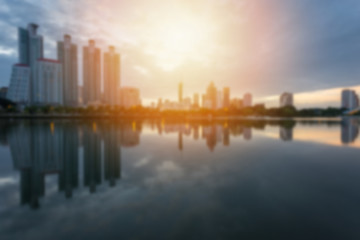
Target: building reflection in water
40, 148
247, 133
349, 130
286, 133
43, 148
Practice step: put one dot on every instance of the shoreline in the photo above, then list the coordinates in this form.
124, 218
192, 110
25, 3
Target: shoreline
177, 117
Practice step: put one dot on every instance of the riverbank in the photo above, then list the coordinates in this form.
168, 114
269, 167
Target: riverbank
208, 117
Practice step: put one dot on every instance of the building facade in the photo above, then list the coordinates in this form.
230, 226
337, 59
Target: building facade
19, 88
130, 97
180, 92
219, 100
349, 99
48, 87
111, 77
286, 100
23, 80
247, 101
196, 102
209, 100
91, 74
226, 97
67, 55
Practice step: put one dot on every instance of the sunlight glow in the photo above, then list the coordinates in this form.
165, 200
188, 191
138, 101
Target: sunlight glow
177, 39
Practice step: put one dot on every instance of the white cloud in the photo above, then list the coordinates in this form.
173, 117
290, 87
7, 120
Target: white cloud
7, 51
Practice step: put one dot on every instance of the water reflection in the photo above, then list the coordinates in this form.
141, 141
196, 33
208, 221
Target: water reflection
41, 148
104, 179
349, 130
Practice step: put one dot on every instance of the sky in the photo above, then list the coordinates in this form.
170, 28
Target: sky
266, 47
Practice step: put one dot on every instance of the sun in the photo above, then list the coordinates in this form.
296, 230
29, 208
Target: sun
178, 39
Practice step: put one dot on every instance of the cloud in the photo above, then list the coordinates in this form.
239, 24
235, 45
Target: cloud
262, 46
7, 51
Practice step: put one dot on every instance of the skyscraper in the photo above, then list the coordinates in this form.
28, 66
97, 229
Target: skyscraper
286, 100
196, 100
130, 97
180, 92
19, 88
48, 83
210, 98
247, 101
349, 99
226, 97
30, 47
91, 74
111, 77
219, 100
67, 55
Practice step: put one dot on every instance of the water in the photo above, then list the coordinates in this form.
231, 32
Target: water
72, 179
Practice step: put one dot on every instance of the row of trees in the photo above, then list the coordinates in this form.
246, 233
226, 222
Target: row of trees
258, 110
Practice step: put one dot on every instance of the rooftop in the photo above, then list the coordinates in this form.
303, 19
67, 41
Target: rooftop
21, 65
48, 60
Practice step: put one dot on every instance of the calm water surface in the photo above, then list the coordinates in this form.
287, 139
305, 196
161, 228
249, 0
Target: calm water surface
171, 180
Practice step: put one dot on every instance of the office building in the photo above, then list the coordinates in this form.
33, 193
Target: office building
111, 77
226, 97
180, 92
247, 101
48, 87
286, 100
91, 74
160, 103
186, 104
349, 99
130, 97
219, 100
67, 55
209, 100
23, 81
19, 88
196, 102
237, 103
3, 92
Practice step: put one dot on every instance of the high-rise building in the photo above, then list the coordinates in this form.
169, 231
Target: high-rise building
196, 100
23, 81
48, 85
67, 55
349, 99
129, 97
111, 77
180, 92
219, 100
160, 103
19, 88
3, 92
91, 74
30, 45
247, 101
286, 100
186, 103
237, 103
210, 98
226, 97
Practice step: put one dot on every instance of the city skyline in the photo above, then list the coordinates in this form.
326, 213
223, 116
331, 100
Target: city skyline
141, 63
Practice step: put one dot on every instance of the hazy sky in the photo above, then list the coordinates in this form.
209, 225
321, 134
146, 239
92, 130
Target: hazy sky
261, 46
